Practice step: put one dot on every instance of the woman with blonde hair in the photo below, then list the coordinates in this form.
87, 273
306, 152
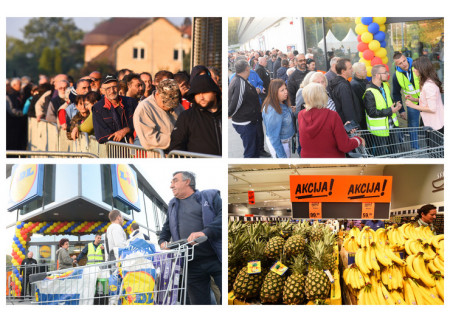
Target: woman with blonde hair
278, 120
322, 134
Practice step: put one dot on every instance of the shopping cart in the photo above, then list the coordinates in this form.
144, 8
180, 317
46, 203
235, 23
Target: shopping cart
138, 279
412, 142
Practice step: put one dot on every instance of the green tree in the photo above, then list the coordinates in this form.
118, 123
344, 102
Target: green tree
46, 61
60, 35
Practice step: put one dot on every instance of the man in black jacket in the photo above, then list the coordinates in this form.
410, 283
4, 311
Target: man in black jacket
359, 84
244, 109
263, 73
346, 102
199, 129
28, 267
296, 78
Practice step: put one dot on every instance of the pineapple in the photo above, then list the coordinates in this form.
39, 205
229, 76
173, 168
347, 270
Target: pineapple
272, 288
316, 232
247, 286
274, 247
295, 245
236, 249
294, 288
317, 284
329, 240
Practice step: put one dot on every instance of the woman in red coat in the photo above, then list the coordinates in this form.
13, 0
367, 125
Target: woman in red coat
321, 132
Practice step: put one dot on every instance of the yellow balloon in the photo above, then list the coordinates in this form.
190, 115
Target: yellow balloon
360, 54
369, 71
385, 59
367, 37
22, 256
383, 28
381, 53
365, 62
360, 29
374, 45
357, 20
379, 20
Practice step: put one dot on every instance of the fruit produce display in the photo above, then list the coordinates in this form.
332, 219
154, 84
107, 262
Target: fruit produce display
397, 265
282, 263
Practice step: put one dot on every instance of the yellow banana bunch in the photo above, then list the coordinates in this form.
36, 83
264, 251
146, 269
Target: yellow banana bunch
424, 295
393, 256
424, 233
428, 251
381, 236
354, 232
439, 285
360, 260
382, 258
439, 263
366, 237
435, 241
433, 269
408, 230
392, 277
353, 277
414, 246
396, 238
408, 293
409, 267
368, 296
398, 297
350, 244
421, 270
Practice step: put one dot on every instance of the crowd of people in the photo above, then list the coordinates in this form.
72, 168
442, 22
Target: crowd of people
328, 114
165, 111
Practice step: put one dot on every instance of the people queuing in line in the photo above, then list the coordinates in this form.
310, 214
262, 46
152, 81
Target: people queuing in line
126, 107
363, 103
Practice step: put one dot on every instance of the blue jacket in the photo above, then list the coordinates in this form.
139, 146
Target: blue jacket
212, 219
278, 127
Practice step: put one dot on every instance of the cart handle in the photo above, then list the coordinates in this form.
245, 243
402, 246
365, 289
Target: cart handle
181, 242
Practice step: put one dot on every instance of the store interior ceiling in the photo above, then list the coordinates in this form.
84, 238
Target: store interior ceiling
271, 182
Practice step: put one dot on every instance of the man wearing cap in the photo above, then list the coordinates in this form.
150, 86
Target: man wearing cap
113, 114
155, 117
199, 129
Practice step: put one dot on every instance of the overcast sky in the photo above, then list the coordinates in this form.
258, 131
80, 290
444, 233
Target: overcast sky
14, 25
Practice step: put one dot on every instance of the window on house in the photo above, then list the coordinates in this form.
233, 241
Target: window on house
175, 54
135, 53
142, 53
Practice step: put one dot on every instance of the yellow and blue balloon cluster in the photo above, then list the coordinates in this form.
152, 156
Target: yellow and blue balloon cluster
371, 42
25, 230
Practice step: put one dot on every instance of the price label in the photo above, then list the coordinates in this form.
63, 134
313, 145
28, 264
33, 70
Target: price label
368, 210
251, 197
254, 267
315, 210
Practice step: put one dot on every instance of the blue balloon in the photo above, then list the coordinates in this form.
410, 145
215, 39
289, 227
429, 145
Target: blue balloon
366, 20
373, 28
16, 239
383, 44
380, 36
20, 278
16, 272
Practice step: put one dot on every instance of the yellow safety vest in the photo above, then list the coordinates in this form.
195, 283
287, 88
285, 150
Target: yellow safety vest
379, 126
405, 84
94, 255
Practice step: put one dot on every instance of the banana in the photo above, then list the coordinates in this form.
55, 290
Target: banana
398, 299
429, 254
385, 275
416, 246
373, 257
429, 296
439, 264
410, 299
424, 275
440, 287
380, 295
345, 244
407, 248
381, 256
409, 267
394, 257
417, 293
432, 268
436, 239
366, 258
372, 295
387, 296
362, 298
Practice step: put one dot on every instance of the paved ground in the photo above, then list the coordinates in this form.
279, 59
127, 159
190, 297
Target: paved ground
235, 146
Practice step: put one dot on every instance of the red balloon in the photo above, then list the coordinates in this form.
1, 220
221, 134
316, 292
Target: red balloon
368, 54
359, 38
376, 61
362, 47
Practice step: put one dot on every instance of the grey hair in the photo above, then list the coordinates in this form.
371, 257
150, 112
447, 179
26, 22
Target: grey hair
357, 67
186, 175
334, 60
241, 66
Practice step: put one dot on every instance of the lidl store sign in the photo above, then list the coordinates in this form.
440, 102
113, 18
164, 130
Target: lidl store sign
26, 184
125, 186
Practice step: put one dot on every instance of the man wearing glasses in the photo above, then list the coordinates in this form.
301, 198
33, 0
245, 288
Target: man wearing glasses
296, 78
113, 114
381, 111
96, 79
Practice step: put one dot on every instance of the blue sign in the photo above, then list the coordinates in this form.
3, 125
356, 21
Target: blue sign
27, 181
125, 185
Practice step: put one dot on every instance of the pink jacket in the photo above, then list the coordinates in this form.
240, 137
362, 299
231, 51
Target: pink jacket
431, 98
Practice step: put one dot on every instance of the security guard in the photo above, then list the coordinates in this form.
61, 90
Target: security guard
405, 79
93, 251
381, 112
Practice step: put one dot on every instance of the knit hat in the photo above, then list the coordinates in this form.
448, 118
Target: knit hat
202, 84
169, 92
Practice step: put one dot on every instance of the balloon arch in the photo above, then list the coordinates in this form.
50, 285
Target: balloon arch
24, 231
371, 42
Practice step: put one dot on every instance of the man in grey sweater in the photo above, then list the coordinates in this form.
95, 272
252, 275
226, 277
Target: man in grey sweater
155, 117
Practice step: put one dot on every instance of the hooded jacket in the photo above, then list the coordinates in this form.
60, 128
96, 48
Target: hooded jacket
322, 134
396, 89
347, 104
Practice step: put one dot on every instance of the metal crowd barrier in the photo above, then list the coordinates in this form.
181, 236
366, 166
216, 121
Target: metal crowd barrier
45, 139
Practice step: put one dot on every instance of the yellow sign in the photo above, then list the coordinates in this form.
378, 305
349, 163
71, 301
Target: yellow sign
45, 251
368, 210
127, 182
22, 182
